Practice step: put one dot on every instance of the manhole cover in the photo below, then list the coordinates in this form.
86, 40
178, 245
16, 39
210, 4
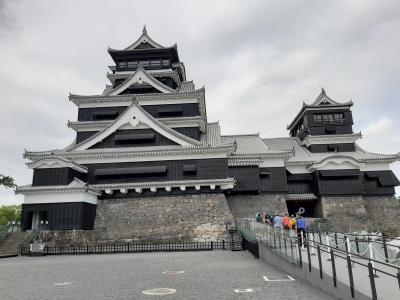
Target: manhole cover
62, 283
244, 291
159, 291
278, 278
173, 272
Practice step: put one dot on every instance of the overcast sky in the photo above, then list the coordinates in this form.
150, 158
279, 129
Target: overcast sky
259, 60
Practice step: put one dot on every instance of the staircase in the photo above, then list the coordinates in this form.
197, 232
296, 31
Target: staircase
236, 240
10, 245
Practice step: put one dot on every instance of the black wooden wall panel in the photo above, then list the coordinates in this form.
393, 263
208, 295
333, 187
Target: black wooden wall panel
339, 185
349, 147
61, 216
55, 176
206, 169
193, 132
275, 181
83, 135
247, 178
188, 110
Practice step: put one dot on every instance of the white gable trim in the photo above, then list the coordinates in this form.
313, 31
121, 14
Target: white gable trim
140, 77
56, 162
136, 115
144, 38
331, 139
336, 162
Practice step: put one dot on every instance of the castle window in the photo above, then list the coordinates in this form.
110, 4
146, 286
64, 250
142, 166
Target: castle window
111, 115
165, 62
122, 64
318, 118
339, 117
132, 64
333, 148
155, 63
145, 63
189, 169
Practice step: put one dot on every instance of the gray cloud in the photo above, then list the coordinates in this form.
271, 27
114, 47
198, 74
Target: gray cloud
258, 61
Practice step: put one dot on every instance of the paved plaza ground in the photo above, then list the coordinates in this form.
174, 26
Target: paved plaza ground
207, 275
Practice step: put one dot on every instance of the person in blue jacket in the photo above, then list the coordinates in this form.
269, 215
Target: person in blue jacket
301, 225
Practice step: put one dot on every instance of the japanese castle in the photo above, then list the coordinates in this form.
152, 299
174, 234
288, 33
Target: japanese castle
146, 161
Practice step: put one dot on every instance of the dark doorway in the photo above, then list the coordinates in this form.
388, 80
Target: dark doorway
311, 208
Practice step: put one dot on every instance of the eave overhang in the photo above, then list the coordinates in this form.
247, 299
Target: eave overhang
56, 162
171, 51
132, 152
197, 121
224, 183
76, 186
331, 139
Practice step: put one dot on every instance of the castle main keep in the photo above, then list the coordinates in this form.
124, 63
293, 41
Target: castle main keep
146, 163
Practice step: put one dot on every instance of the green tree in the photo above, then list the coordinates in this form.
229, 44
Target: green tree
9, 213
7, 181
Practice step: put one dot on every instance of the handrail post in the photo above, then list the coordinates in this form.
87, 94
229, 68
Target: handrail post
308, 256
312, 244
319, 261
328, 247
336, 241
300, 257
357, 245
333, 268
385, 249
371, 257
351, 280
372, 281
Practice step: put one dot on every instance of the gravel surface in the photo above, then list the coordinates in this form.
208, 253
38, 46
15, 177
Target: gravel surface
207, 275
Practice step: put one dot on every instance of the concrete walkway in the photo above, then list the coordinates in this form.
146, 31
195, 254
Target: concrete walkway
196, 275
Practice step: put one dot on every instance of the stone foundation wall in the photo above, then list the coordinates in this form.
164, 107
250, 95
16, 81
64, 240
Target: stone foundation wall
384, 213
246, 206
162, 219
345, 213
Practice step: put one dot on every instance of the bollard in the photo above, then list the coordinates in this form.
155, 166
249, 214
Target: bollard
327, 245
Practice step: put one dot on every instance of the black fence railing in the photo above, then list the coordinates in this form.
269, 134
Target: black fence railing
130, 248
373, 277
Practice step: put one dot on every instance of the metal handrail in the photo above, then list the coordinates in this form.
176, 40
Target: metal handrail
282, 242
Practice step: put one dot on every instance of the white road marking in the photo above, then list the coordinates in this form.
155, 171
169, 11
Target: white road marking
244, 290
159, 291
173, 272
62, 283
278, 278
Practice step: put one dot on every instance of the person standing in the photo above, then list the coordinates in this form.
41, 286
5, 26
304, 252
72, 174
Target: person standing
292, 222
278, 221
301, 225
286, 221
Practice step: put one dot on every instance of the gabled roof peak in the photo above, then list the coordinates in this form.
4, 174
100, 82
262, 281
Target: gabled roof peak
324, 99
144, 39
